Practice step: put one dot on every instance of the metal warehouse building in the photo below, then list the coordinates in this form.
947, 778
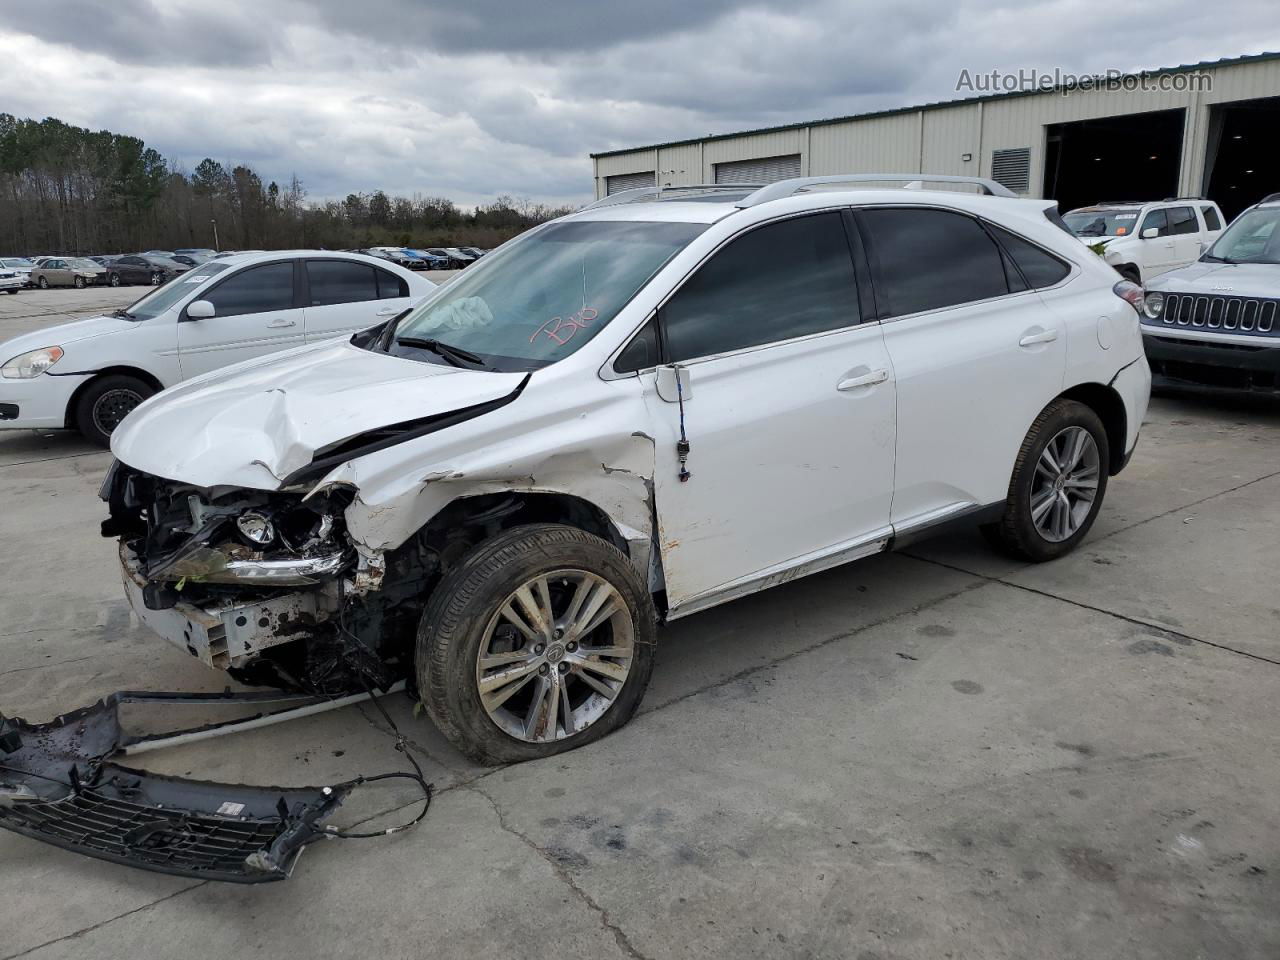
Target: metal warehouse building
1208, 129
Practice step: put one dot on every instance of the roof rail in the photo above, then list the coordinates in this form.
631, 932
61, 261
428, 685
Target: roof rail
1173, 199
785, 188
643, 193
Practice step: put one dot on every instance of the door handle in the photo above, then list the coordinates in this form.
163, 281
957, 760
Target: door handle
282, 322
388, 311
866, 380
1045, 336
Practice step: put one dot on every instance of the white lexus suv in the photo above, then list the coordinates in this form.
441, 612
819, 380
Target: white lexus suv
667, 400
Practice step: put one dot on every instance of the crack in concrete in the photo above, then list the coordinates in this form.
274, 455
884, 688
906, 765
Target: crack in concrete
103, 923
1136, 621
623, 941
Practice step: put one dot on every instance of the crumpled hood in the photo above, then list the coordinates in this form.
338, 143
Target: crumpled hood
63, 334
1231, 279
252, 424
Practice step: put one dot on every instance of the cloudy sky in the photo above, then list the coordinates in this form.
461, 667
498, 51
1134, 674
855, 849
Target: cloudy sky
472, 99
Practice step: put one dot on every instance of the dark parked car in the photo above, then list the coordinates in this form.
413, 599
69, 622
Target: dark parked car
198, 254
143, 268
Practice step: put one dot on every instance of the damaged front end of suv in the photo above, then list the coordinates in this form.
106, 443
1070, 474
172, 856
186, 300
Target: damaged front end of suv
261, 584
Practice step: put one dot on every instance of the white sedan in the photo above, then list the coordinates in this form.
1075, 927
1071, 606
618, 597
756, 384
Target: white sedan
89, 374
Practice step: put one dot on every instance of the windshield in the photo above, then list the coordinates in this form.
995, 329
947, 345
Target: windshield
1102, 223
83, 263
546, 294
160, 299
1252, 238
18, 262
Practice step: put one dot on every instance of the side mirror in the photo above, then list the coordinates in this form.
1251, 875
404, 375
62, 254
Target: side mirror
200, 310
673, 383
1150, 233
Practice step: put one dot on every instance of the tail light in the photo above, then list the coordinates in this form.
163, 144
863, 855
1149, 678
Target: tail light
1131, 293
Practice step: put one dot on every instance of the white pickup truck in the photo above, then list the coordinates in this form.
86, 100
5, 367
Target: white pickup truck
1145, 239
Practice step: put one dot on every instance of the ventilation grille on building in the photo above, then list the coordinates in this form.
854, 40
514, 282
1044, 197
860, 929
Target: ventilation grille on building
1012, 168
629, 181
764, 170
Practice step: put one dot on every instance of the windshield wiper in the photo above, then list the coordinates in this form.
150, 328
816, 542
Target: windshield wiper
455, 355
123, 314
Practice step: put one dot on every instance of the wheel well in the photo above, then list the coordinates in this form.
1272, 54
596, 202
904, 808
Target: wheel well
1106, 403
148, 379
1130, 271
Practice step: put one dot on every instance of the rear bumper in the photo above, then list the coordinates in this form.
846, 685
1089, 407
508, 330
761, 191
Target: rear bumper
1206, 365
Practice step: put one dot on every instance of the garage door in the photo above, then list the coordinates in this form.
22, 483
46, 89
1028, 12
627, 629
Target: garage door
764, 170
629, 181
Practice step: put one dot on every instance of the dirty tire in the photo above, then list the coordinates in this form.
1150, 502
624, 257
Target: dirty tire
454, 624
96, 407
1016, 532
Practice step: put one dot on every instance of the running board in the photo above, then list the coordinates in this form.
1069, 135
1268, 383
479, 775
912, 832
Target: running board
58, 785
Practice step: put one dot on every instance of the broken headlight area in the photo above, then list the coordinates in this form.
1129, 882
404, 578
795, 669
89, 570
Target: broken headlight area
264, 585
59, 784
184, 534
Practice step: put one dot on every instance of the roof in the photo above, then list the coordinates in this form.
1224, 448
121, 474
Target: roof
938, 105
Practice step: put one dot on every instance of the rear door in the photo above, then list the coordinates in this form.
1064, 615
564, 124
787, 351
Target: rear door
976, 353
343, 296
256, 312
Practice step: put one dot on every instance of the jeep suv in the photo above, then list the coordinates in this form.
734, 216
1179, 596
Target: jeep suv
1144, 240
1214, 324
668, 400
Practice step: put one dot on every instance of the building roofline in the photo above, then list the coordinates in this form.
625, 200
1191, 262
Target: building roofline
936, 105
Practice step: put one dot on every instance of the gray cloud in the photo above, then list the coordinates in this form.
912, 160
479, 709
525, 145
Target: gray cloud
472, 100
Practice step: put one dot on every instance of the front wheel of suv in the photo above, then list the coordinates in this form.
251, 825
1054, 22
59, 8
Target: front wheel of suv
540, 640
1059, 480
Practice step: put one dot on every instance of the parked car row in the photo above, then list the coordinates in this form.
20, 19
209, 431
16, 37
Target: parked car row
428, 258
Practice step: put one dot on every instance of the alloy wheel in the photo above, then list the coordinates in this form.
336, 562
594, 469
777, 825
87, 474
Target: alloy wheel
156, 279
555, 656
1065, 484
112, 407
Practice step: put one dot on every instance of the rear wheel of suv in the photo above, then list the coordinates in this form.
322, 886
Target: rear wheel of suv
1059, 480
540, 640
106, 402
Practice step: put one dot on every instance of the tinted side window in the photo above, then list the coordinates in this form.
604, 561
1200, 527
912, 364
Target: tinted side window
340, 281
642, 352
1211, 218
1157, 219
1183, 220
780, 281
1042, 269
390, 286
932, 258
256, 290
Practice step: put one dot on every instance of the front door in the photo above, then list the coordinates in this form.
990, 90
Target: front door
976, 352
254, 314
1159, 254
788, 412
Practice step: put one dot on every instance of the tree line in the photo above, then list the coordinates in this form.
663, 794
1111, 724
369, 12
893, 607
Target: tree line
69, 190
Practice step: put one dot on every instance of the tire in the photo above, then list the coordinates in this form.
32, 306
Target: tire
114, 279
43, 283
105, 402
1020, 531
157, 278
463, 615
79, 282
15, 291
